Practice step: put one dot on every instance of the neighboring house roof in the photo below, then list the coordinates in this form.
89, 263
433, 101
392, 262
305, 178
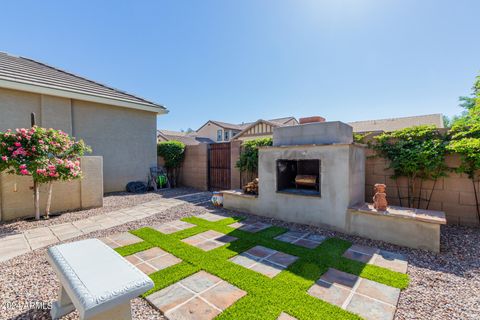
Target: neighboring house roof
25, 74
273, 124
242, 126
283, 120
224, 125
186, 138
174, 133
397, 123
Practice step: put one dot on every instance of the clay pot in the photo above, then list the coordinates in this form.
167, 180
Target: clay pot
217, 199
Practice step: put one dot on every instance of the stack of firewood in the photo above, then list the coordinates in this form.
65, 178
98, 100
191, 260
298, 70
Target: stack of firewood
251, 187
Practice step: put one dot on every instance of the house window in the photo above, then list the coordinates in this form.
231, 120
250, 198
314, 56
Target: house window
227, 135
219, 135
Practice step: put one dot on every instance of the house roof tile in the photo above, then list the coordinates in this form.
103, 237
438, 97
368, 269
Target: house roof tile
30, 72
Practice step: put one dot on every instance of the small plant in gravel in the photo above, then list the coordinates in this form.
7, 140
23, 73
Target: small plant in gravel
47, 155
173, 153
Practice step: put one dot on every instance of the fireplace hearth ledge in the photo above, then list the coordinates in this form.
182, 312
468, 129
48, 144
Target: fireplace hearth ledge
414, 228
239, 193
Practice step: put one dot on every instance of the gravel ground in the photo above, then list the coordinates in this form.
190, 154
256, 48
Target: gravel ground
443, 286
112, 201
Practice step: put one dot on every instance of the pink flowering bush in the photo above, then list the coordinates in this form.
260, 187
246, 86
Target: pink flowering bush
45, 154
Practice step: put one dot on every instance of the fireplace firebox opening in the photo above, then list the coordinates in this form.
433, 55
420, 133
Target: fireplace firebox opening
299, 177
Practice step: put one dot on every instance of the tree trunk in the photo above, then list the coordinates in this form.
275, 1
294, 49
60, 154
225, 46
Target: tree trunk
476, 199
176, 174
431, 193
398, 192
408, 191
173, 178
36, 199
49, 200
420, 193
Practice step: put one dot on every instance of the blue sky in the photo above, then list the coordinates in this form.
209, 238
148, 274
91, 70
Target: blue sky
243, 60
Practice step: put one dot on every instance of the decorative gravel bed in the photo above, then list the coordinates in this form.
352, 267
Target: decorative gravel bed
111, 202
442, 286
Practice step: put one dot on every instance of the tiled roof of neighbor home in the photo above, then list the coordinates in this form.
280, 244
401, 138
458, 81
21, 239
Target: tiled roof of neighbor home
175, 133
397, 123
252, 124
241, 126
29, 75
228, 125
186, 138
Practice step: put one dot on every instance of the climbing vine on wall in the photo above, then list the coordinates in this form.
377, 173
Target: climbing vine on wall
465, 140
417, 153
248, 161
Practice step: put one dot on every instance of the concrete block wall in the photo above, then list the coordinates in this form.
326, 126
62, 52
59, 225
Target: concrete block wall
453, 194
194, 169
16, 195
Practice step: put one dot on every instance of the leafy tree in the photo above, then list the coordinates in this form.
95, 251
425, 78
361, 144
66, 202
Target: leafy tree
188, 131
467, 103
465, 140
47, 155
173, 153
417, 153
359, 137
248, 161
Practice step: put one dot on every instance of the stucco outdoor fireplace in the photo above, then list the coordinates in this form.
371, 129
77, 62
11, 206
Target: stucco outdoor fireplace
315, 174
298, 176
311, 175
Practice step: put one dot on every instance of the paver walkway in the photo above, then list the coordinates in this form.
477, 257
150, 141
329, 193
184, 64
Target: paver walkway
203, 295
18, 244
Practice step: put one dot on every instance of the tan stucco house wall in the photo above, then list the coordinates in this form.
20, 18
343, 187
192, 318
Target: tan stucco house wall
124, 137
210, 130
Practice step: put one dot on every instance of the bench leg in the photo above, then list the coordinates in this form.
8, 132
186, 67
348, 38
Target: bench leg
63, 306
120, 312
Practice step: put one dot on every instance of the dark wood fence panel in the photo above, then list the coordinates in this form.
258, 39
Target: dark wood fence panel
219, 166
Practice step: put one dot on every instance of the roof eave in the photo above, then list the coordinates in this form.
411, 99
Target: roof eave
273, 124
73, 94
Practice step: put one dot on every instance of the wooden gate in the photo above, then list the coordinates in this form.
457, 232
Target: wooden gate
219, 166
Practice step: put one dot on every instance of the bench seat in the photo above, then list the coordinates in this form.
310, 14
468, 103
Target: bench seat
95, 280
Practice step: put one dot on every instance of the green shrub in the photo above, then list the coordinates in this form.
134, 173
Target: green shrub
173, 153
249, 154
359, 137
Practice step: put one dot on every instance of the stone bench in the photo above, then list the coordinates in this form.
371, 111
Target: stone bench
95, 280
414, 228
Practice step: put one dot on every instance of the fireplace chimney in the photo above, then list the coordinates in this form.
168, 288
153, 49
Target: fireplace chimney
331, 132
313, 119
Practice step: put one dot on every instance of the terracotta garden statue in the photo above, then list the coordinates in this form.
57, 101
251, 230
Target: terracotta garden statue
380, 197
